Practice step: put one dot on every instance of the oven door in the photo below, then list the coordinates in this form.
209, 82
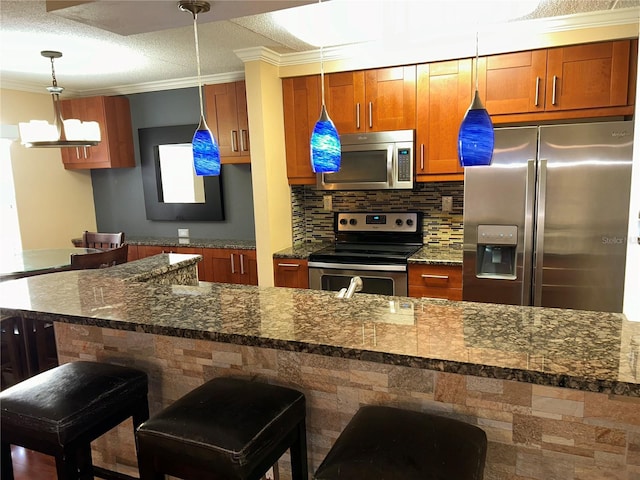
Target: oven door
379, 279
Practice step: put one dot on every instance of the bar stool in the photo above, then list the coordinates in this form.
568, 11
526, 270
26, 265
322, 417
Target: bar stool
59, 412
228, 428
396, 444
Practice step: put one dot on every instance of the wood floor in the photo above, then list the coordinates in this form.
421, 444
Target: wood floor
30, 465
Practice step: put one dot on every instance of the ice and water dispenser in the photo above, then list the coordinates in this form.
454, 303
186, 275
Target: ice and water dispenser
496, 254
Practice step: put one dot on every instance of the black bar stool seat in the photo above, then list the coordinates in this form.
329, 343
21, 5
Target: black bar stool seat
228, 428
59, 412
394, 444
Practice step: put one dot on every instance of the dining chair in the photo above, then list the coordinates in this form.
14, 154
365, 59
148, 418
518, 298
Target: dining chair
102, 240
106, 258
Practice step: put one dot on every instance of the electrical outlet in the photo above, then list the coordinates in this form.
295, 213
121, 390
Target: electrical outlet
327, 202
183, 232
447, 204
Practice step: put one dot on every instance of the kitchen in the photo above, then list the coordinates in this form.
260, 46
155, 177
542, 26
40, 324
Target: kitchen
273, 226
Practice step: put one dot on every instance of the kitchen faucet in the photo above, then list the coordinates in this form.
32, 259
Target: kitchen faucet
355, 285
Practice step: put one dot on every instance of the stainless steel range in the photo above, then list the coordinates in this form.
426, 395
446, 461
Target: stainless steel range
374, 246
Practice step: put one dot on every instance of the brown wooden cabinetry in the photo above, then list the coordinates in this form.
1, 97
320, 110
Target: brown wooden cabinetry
115, 149
435, 281
301, 98
291, 272
231, 265
226, 113
574, 78
372, 100
443, 96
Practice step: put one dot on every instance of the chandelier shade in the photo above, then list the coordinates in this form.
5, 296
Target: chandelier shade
62, 133
325, 145
476, 136
206, 153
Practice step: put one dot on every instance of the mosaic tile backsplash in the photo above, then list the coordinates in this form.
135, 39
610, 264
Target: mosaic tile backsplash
311, 223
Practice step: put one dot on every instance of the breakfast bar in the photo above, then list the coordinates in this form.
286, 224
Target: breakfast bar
556, 391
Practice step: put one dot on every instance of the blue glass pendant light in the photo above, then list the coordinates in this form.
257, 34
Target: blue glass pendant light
325, 141
475, 137
206, 153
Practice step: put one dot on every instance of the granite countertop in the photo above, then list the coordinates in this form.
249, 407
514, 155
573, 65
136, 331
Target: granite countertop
428, 254
590, 351
192, 242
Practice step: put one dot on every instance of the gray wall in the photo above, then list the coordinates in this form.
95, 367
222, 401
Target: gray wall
118, 193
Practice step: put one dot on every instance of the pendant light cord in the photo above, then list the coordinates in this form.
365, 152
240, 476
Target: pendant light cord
477, 58
322, 74
195, 33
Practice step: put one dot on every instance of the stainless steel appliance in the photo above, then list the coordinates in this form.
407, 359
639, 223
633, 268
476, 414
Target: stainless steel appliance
373, 246
546, 224
373, 161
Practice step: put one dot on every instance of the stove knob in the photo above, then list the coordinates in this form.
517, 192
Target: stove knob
409, 222
343, 221
399, 222
353, 221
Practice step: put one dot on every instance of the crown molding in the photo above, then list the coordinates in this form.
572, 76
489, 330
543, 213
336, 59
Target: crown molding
264, 54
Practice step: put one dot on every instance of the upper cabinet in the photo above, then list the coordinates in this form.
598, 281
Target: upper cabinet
301, 98
580, 77
372, 100
444, 95
115, 149
226, 113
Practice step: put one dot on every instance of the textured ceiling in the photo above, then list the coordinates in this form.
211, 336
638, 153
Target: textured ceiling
138, 45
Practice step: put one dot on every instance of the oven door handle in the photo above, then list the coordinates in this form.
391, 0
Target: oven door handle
359, 266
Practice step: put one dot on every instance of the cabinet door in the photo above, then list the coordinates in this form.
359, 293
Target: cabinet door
444, 95
150, 250
513, 82
435, 281
231, 266
345, 101
290, 272
390, 98
132, 253
588, 76
301, 97
226, 111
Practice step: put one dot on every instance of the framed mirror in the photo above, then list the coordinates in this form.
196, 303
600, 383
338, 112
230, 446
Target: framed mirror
172, 191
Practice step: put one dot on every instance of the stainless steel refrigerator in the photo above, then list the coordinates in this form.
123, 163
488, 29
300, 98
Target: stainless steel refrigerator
546, 223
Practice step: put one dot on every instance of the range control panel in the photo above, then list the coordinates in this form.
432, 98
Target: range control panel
378, 222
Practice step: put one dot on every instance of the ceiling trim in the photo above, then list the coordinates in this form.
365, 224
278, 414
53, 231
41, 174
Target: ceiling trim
259, 53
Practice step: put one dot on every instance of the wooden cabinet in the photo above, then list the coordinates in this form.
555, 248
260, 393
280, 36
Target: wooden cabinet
231, 265
372, 100
291, 272
301, 98
435, 281
578, 77
226, 113
115, 149
444, 93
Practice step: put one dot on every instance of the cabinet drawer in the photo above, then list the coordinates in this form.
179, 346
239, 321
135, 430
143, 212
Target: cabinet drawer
291, 272
435, 281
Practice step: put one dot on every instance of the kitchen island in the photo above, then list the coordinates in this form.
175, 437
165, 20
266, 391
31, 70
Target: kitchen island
557, 391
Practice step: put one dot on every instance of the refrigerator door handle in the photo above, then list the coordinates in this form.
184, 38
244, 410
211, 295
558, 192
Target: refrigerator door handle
539, 245
528, 240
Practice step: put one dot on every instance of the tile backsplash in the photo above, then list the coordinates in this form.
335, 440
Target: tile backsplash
311, 223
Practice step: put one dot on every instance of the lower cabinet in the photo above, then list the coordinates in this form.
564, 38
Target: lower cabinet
231, 265
435, 281
290, 272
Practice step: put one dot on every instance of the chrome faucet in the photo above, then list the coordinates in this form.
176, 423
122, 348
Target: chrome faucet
355, 285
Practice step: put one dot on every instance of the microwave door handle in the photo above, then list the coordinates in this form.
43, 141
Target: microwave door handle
391, 160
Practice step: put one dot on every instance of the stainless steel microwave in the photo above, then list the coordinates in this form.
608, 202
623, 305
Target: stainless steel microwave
373, 161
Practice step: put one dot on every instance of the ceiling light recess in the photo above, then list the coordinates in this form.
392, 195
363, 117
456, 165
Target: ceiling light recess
63, 133
206, 153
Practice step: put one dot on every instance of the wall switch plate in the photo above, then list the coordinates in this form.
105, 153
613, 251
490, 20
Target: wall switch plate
447, 204
327, 202
183, 232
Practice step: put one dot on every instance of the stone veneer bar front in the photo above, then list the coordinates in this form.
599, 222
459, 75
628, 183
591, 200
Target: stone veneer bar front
556, 391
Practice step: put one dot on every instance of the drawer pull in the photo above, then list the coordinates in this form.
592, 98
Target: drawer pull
438, 277
241, 264
289, 265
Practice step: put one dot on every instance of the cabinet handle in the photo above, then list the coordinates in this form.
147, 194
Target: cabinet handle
553, 96
77, 153
244, 140
370, 114
422, 156
234, 140
537, 90
241, 264
358, 115
233, 268
438, 277
289, 265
